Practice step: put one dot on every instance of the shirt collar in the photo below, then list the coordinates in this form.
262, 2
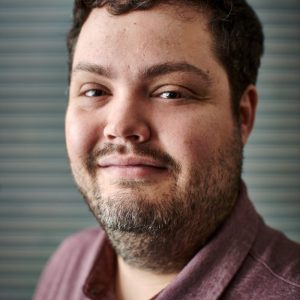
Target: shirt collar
100, 281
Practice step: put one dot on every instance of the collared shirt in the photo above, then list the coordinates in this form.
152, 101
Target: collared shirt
245, 259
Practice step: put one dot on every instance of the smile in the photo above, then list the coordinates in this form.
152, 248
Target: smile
131, 167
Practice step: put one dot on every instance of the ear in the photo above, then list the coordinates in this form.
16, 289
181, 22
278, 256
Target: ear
247, 112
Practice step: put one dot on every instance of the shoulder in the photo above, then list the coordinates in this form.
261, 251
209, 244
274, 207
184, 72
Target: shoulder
68, 267
281, 255
80, 241
271, 269
81, 246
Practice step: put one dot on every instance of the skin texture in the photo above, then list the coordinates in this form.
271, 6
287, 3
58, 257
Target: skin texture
152, 141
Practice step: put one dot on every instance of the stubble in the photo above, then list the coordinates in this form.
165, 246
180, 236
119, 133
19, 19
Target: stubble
164, 233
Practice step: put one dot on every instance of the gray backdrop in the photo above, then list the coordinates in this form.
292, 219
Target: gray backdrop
39, 204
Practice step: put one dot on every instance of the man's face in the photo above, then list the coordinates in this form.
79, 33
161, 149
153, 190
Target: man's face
149, 127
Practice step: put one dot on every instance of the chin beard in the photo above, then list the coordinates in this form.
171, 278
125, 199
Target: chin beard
163, 234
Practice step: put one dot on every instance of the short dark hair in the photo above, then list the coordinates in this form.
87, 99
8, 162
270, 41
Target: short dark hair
236, 30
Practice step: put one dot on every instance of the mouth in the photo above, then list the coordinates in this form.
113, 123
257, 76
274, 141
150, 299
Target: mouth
131, 167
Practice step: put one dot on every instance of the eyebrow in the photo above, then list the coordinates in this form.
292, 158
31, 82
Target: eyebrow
93, 68
171, 67
151, 72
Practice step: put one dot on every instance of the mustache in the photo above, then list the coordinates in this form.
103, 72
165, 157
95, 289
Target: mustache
140, 150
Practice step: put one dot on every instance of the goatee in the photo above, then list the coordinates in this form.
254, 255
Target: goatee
162, 232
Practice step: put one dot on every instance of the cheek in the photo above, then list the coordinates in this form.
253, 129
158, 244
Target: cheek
81, 135
194, 140
196, 147
187, 138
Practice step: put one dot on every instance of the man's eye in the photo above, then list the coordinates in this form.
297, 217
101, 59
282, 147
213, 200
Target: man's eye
171, 95
95, 93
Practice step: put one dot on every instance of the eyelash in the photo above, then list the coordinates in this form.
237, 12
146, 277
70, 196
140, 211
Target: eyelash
94, 90
174, 94
171, 93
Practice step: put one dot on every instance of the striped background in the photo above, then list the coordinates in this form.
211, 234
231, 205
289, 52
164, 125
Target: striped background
39, 205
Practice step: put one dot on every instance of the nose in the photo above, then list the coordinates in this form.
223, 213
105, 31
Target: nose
127, 122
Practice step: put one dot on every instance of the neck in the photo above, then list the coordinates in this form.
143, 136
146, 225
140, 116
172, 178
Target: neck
137, 284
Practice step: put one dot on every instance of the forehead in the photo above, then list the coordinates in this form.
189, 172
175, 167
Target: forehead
146, 37
164, 25
162, 14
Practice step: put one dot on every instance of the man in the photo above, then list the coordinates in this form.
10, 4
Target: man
162, 101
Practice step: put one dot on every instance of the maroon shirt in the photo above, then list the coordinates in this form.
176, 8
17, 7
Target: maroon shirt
245, 259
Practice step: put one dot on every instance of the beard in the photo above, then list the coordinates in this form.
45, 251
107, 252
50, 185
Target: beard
162, 231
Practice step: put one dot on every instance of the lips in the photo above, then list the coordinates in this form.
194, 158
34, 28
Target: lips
131, 167
132, 161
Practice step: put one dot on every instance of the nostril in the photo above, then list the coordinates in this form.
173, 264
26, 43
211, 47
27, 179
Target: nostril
135, 131
134, 137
